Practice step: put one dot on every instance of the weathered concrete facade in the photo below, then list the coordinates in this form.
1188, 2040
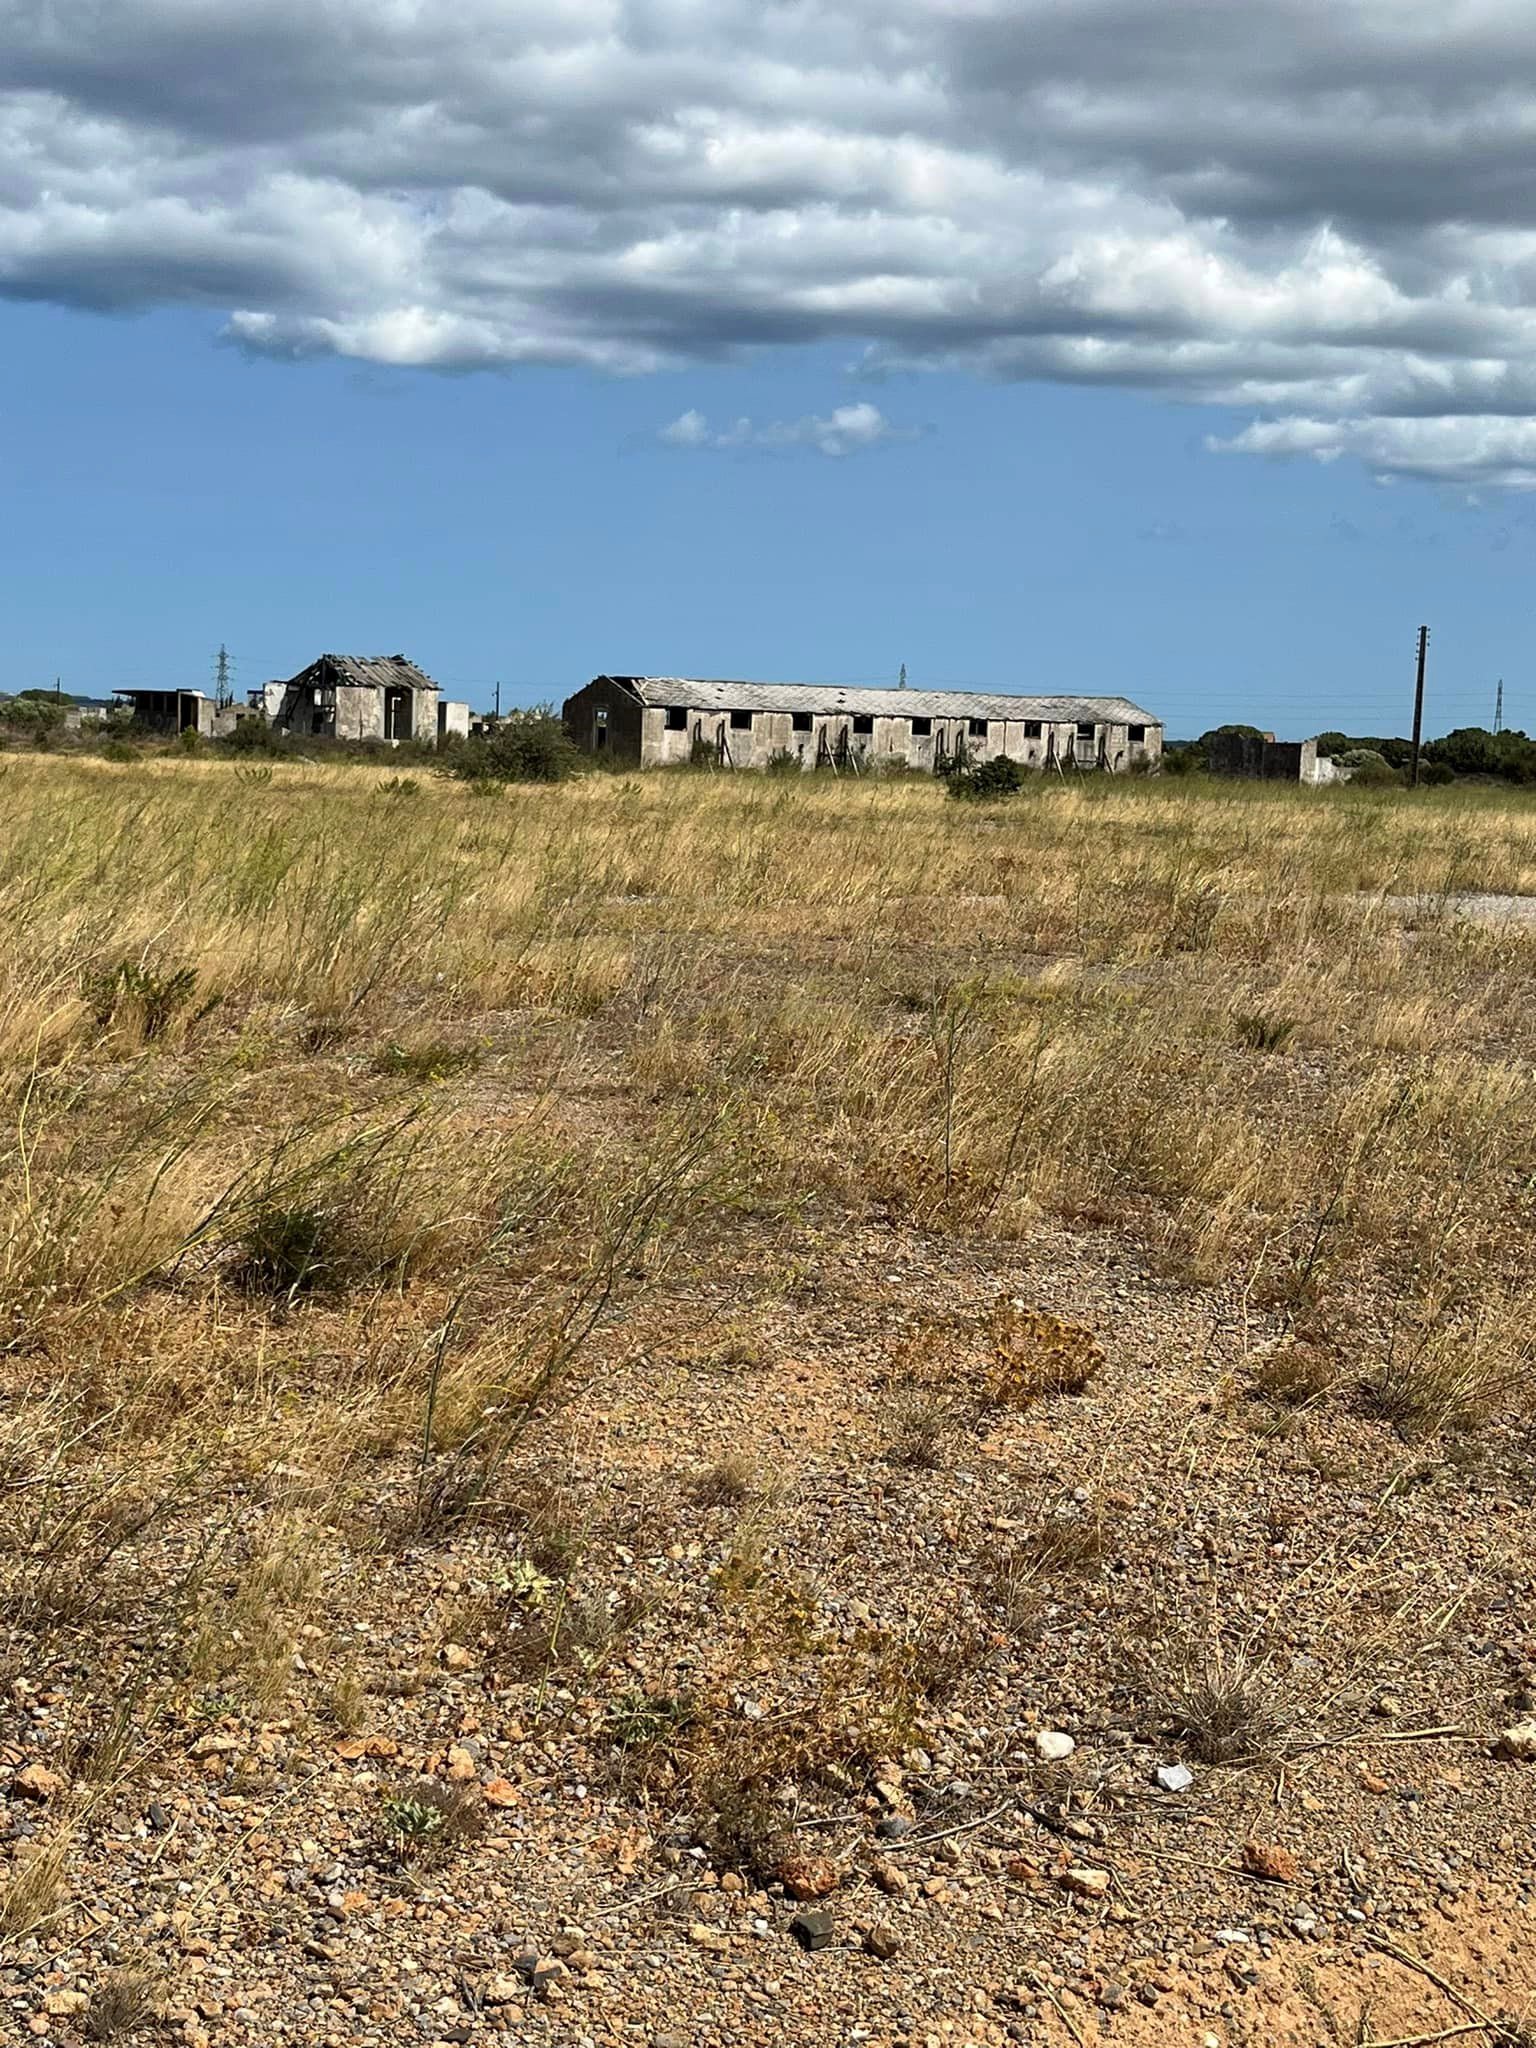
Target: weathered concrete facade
172, 710
359, 697
1260, 757
656, 720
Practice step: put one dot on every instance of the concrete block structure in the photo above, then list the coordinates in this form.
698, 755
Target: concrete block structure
171, 711
653, 721
361, 697
1260, 757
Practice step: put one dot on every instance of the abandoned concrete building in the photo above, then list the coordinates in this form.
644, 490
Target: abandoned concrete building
1260, 757
362, 697
655, 720
177, 711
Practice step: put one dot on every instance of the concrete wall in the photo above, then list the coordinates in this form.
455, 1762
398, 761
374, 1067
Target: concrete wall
172, 711
361, 711
1258, 758
649, 737
452, 719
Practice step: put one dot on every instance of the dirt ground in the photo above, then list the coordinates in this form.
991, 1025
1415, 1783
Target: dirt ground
736, 1500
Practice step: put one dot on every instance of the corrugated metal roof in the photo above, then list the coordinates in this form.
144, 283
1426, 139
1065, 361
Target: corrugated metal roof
691, 693
376, 671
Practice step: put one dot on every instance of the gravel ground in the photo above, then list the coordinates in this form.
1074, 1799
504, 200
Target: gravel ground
1068, 1567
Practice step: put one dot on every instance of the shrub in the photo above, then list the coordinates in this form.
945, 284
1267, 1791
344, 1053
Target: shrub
124, 2004
287, 1250
131, 986
252, 736
1224, 1701
429, 1821
784, 763
1293, 1376
1263, 1033
1034, 1354
989, 781
731, 1479
1367, 769
527, 746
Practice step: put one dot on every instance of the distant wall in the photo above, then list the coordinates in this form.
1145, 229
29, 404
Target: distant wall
1253, 757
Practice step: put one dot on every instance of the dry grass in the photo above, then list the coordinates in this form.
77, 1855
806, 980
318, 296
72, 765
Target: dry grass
350, 1132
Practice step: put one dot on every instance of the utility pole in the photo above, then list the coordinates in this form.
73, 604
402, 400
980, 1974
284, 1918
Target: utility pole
1418, 705
1498, 708
498, 697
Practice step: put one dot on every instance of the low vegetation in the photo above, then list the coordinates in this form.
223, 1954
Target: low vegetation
686, 1309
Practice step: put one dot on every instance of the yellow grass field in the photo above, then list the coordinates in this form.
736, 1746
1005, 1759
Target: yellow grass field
535, 1269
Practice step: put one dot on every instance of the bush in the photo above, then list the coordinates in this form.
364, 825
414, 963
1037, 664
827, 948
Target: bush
528, 746
253, 736
1367, 769
783, 763
989, 780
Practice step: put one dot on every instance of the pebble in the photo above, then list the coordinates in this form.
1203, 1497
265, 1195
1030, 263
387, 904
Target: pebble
813, 1929
1519, 1742
1052, 1747
1174, 1777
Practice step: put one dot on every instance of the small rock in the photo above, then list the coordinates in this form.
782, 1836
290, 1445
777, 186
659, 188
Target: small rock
813, 1929
1052, 1747
500, 1792
808, 1877
37, 1782
883, 1942
460, 1766
1174, 1777
457, 1658
1086, 1881
1268, 1860
501, 1989
895, 1827
888, 1877
1519, 1742
1113, 1996
63, 2004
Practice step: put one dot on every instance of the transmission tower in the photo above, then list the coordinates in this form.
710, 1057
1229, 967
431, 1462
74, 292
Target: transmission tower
1498, 708
222, 677
901, 680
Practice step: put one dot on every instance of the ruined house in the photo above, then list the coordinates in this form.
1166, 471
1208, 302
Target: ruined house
172, 711
1260, 757
653, 720
362, 697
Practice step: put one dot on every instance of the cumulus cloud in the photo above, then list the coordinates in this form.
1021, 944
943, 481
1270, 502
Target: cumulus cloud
1314, 211
843, 431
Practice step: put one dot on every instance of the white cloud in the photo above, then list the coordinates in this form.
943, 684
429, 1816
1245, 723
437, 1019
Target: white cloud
843, 431
1314, 211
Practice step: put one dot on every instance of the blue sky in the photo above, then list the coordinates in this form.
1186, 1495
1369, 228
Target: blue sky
1150, 346
166, 493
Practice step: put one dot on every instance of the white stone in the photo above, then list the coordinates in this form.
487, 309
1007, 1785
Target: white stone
1519, 1742
1052, 1747
1174, 1777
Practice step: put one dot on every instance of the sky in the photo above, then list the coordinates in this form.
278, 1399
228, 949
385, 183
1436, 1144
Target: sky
1171, 348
